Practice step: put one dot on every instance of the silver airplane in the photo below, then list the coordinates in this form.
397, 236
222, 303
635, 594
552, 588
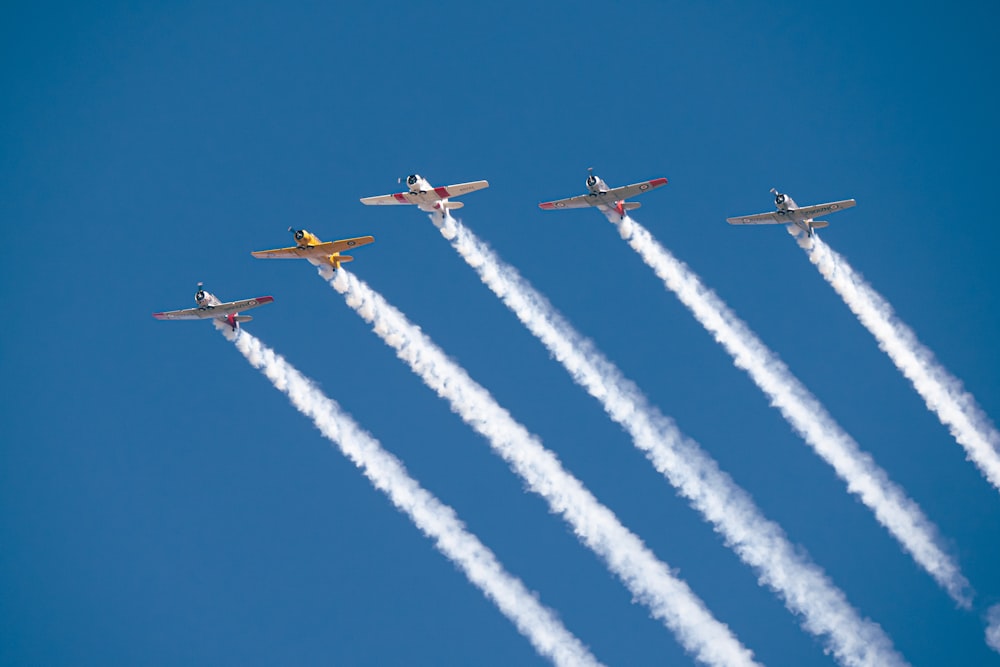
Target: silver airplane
209, 306
604, 198
788, 212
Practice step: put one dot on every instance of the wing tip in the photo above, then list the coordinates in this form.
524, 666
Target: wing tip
657, 182
547, 205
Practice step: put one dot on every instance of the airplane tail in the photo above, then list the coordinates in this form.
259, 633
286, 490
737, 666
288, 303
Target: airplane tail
631, 205
337, 260
242, 318
452, 204
819, 224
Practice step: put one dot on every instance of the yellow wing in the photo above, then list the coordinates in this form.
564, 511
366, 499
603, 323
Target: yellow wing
347, 244
294, 252
320, 250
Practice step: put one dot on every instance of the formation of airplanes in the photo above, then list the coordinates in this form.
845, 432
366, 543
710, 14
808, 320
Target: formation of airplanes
426, 197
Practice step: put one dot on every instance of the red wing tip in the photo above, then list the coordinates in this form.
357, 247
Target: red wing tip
158, 316
265, 299
547, 205
658, 181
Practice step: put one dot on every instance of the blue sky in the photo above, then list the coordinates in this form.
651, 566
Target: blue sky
162, 504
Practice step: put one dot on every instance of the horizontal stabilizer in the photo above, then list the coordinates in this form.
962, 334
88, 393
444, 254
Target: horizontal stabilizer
342, 258
452, 204
631, 205
242, 318
819, 224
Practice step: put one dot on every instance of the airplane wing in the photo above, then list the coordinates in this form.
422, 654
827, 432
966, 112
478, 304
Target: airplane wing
347, 244
390, 200
821, 209
214, 311
580, 201
318, 250
773, 218
428, 197
605, 198
627, 191
294, 252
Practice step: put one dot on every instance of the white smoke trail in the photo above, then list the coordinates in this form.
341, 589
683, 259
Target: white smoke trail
759, 542
993, 627
899, 514
942, 392
435, 519
649, 580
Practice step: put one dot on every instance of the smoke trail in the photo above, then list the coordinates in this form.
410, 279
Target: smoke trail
649, 580
942, 392
993, 627
900, 515
436, 520
759, 542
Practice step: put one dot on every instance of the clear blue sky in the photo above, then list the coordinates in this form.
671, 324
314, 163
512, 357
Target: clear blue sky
162, 504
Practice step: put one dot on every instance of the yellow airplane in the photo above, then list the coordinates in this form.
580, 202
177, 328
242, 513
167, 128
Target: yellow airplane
310, 248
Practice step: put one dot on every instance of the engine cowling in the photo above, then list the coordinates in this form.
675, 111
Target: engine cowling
591, 181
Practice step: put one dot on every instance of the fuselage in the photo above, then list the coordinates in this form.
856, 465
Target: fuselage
417, 185
206, 299
597, 187
787, 206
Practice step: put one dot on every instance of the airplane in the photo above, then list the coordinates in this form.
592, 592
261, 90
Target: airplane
790, 213
605, 198
210, 306
425, 196
309, 247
